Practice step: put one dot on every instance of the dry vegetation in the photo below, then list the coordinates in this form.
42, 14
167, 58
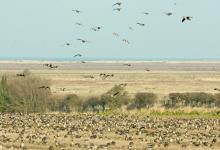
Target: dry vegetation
133, 109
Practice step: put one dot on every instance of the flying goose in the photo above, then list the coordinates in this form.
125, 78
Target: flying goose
77, 11
118, 3
78, 55
189, 18
140, 24
83, 41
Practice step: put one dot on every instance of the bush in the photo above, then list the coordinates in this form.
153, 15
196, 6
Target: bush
115, 98
5, 101
71, 103
92, 104
24, 95
217, 99
195, 99
143, 100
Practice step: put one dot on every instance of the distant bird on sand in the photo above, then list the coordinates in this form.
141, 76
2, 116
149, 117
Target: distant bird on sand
189, 18
129, 65
83, 62
44, 87
117, 4
140, 24
78, 55
83, 41
77, 11
20, 75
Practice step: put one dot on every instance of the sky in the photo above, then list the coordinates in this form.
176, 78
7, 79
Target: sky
40, 29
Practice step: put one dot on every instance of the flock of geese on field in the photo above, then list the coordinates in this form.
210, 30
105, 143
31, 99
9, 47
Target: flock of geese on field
92, 131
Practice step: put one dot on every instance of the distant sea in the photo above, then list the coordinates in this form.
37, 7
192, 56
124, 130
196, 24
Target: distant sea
104, 59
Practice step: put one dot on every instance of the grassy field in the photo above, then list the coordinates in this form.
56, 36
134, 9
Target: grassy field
163, 77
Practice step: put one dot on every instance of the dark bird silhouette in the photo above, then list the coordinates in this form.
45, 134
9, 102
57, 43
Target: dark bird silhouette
20, 75
130, 28
118, 4
67, 44
123, 84
187, 18
140, 24
51, 66
116, 93
96, 28
79, 24
83, 41
129, 65
168, 13
117, 9
146, 69
126, 41
63, 89
83, 62
115, 34
89, 76
78, 55
146, 13
77, 11
44, 87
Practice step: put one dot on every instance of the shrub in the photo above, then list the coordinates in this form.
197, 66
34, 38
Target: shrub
5, 101
26, 95
71, 103
217, 99
115, 98
195, 99
92, 104
143, 100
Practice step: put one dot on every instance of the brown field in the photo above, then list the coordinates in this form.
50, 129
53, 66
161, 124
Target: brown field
111, 131
163, 77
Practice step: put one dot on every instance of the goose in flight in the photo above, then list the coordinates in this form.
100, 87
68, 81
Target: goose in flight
146, 13
126, 41
67, 44
117, 9
96, 28
83, 41
118, 3
77, 11
78, 55
115, 34
140, 24
79, 24
168, 13
130, 28
189, 18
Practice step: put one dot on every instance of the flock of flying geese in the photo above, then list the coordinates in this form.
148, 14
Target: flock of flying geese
118, 7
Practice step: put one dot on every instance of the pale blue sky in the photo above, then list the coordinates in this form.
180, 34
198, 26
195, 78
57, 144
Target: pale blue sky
40, 28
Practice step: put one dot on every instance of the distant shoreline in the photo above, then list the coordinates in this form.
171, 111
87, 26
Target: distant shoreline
109, 61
